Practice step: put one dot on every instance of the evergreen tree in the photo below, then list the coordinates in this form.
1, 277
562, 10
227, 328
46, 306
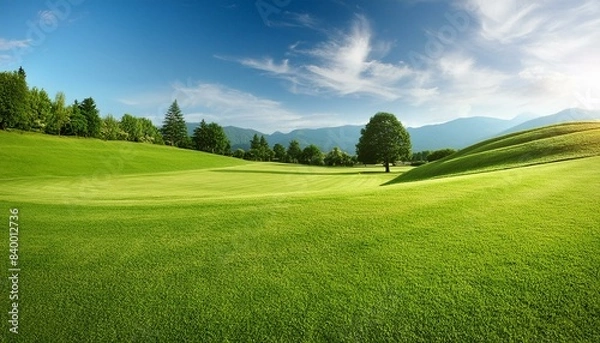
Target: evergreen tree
265, 151
22, 73
279, 152
294, 152
201, 138
77, 125
254, 152
88, 110
174, 130
13, 99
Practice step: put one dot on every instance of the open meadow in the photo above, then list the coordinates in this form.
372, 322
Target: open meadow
125, 242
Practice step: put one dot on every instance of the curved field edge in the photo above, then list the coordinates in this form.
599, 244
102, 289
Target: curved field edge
509, 256
26, 154
253, 180
543, 145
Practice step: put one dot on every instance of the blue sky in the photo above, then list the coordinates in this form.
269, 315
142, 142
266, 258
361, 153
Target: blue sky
286, 64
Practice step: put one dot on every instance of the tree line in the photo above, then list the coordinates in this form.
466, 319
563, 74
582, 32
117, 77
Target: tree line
32, 109
260, 150
383, 140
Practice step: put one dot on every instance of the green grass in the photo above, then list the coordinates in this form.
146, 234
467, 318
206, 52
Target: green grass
281, 253
28, 154
542, 145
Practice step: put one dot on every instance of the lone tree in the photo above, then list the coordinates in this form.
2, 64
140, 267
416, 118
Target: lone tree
174, 129
383, 140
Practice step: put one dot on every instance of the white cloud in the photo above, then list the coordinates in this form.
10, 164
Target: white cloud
6, 45
513, 57
228, 106
268, 65
553, 51
506, 20
343, 65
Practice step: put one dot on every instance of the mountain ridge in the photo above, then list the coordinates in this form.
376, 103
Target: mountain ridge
456, 134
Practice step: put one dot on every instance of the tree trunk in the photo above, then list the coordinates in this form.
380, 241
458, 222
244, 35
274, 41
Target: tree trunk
387, 167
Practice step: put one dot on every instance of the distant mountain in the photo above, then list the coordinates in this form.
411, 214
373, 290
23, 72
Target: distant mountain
456, 134
569, 115
344, 137
240, 138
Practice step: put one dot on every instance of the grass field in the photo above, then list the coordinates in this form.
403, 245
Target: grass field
543, 145
123, 242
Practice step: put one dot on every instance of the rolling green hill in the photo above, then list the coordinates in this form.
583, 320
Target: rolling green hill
548, 144
166, 245
32, 154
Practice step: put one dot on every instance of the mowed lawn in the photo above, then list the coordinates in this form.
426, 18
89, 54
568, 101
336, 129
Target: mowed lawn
250, 252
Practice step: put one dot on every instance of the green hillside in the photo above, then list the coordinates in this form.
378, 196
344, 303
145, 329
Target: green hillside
32, 154
180, 246
542, 145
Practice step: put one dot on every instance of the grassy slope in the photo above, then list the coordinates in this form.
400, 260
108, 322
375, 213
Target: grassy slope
543, 145
506, 256
31, 154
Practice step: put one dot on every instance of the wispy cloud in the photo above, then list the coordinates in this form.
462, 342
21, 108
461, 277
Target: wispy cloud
13, 49
342, 65
556, 44
268, 65
552, 48
6, 44
228, 106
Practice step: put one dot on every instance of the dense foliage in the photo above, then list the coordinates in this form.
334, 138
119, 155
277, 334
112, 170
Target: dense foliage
33, 110
211, 138
383, 140
439, 154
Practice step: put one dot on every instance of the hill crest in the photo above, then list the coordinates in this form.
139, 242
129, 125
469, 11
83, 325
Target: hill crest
542, 145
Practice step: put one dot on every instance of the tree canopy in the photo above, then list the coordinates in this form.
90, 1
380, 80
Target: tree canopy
87, 108
13, 98
259, 149
439, 154
336, 157
312, 155
174, 129
211, 138
294, 152
383, 140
